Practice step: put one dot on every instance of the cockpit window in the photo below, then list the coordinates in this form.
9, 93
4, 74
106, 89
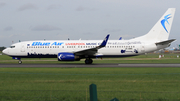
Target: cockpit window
12, 46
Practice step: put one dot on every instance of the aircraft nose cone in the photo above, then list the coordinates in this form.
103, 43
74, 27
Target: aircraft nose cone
5, 51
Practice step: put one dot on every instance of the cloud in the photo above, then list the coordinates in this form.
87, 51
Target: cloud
93, 9
2, 36
53, 7
2, 4
11, 36
113, 1
88, 33
9, 28
112, 30
45, 28
127, 36
63, 36
16, 35
27, 6
80, 8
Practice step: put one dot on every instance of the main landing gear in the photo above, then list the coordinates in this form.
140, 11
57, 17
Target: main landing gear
88, 61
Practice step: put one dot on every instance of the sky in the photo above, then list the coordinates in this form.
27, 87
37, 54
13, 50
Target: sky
27, 20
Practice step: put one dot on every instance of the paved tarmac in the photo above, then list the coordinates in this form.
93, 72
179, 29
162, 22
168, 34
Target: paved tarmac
84, 65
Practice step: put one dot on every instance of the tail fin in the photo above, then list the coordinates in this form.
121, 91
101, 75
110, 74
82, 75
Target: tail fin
161, 30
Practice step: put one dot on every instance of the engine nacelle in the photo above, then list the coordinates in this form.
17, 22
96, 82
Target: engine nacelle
64, 56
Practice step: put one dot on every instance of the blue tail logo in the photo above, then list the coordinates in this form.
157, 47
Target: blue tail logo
165, 20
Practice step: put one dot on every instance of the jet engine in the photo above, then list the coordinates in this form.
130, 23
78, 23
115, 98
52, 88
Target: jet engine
65, 56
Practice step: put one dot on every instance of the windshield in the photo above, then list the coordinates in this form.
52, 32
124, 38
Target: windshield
12, 46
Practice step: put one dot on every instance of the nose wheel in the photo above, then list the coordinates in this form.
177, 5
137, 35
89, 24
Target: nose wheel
20, 62
88, 61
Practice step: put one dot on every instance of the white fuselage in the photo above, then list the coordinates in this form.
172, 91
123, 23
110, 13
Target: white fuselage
113, 48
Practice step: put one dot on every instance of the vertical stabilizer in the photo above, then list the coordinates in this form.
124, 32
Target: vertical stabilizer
161, 30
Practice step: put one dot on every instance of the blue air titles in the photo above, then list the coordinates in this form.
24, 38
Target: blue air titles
47, 44
57, 43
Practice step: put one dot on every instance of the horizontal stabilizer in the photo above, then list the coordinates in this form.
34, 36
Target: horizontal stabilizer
165, 42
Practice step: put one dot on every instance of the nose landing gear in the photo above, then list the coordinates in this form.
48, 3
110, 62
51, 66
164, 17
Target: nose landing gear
20, 62
17, 58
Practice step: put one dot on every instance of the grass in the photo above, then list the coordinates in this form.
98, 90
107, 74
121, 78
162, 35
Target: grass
72, 84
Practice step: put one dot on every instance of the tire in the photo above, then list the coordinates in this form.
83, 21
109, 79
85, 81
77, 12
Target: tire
88, 61
20, 62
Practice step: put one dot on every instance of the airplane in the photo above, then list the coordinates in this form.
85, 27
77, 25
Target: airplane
75, 50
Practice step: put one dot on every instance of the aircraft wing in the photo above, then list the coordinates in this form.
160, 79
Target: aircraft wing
165, 42
92, 51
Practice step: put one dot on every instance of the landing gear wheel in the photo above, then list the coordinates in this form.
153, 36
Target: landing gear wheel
88, 61
20, 62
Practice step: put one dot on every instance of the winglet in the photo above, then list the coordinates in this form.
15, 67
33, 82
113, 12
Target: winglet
103, 44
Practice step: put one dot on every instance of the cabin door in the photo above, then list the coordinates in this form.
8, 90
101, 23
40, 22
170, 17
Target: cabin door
22, 47
142, 48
